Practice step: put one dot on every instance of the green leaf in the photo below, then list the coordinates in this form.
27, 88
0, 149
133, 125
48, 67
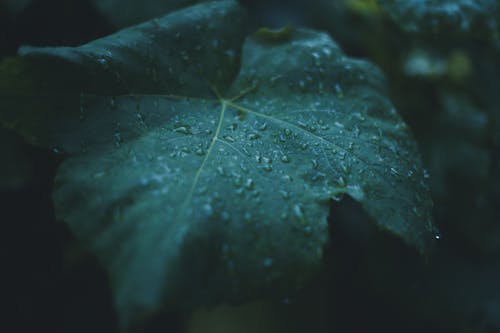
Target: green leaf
197, 175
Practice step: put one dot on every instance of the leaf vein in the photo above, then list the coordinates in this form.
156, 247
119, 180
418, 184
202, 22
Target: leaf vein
205, 159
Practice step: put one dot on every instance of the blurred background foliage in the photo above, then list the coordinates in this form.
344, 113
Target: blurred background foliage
443, 79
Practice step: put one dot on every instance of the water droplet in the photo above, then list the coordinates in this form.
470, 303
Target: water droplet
326, 51
417, 212
314, 163
140, 117
253, 136
285, 159
395, 173
341, 181
298, 212
183, 130
356, 131
249, 184
288, 132
267, 262
99, 174
317, 176
337, 196
118, 140
103, 62
285, 194
301, 124
267, 167
208, 210
229, 138
221, 171
238, 179
338, 90
185, 57
244, 168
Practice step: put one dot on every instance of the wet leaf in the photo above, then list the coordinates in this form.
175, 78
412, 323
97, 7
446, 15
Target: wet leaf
201, 165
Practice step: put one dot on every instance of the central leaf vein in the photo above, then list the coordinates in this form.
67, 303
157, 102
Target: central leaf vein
205, 159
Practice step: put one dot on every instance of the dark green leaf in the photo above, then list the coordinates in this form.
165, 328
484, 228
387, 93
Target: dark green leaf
199, 177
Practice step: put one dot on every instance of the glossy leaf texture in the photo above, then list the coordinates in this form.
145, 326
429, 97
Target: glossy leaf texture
201, 165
